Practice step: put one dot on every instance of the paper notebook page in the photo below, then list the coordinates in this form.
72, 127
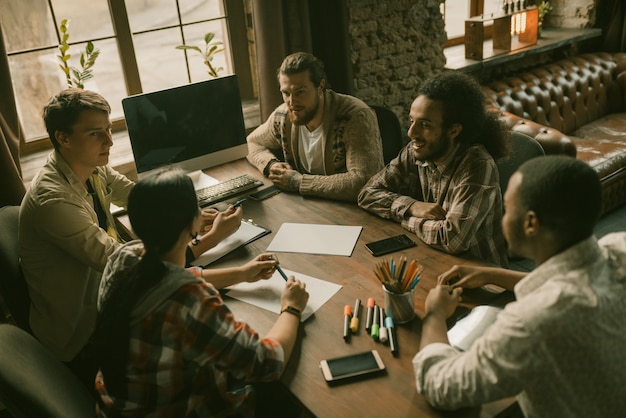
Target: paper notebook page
266, 293
469, 328
247, 231
315, 239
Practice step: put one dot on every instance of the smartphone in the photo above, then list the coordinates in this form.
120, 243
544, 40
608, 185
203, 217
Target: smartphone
343, 369
264, 193
390, 245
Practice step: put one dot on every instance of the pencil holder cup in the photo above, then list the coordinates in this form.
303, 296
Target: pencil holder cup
399, 305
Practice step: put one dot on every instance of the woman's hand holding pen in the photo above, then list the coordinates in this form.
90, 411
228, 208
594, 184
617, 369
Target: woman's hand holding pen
262, 267
227, 222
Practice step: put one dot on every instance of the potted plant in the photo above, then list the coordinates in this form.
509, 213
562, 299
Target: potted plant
544, 8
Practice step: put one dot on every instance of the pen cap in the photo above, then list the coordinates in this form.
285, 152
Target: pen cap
388, 322
399, 306
347, 310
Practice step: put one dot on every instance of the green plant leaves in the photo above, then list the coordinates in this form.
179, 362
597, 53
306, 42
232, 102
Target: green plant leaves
74, 76
211, 49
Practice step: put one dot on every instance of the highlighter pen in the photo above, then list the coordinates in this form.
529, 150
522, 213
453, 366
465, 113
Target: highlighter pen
370, 313
347, 315
354, 323
375, 325
382, 332
391, 335
239, 203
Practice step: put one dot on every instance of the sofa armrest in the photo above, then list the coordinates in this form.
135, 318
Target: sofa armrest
551, 140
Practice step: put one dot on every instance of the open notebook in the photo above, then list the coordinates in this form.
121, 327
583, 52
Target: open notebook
247, 232
467, 329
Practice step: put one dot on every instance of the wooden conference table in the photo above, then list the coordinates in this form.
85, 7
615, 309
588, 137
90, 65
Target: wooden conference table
321, 335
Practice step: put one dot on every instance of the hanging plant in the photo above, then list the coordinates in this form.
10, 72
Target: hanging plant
76, 76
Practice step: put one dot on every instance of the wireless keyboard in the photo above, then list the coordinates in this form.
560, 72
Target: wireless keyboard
225, 189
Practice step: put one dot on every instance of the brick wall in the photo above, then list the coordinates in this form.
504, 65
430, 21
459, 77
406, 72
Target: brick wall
396, 45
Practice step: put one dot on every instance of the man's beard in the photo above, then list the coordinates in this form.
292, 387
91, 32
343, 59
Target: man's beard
306, 118
436, 150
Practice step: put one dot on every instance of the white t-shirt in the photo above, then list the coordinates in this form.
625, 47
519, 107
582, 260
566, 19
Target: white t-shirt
311, 149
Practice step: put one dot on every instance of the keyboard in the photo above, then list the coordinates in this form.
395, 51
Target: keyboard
225, 189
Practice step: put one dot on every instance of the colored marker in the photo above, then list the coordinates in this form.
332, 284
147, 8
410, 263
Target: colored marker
354, 323
239, 203
382, 333
375, 324
370, 312
391, 335
347, 315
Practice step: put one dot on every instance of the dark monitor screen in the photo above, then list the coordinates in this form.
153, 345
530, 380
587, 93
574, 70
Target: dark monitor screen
194, 126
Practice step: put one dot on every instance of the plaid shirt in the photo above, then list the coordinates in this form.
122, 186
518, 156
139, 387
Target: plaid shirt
190, 358
466, 185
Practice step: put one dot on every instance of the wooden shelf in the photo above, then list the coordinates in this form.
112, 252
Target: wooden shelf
551, 38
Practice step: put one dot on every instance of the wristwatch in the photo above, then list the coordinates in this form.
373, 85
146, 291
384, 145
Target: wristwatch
291, 310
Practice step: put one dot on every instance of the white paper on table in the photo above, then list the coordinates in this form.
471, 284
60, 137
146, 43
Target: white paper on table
266, 293
315, 239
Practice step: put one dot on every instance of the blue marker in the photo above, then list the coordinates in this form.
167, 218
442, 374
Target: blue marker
391, 336
239, 203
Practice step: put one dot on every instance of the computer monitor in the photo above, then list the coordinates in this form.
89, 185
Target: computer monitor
194, 126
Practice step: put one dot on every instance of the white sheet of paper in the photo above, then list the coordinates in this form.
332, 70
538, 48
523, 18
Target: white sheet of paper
246, 232
315, 239
266, 293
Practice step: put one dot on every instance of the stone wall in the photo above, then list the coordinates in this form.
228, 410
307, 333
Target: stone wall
572, 13
396, 45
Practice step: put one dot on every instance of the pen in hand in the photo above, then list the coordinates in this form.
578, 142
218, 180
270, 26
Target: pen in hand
282, 273
239, 203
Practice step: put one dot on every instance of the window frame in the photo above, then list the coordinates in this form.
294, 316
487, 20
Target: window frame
476, 8
236, 27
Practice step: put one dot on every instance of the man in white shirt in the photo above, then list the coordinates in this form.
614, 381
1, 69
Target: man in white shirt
559, 348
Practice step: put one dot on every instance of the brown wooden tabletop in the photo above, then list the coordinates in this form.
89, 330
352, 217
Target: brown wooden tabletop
321, 336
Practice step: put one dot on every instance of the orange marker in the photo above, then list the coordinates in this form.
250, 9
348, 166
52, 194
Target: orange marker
354, 323
347, 315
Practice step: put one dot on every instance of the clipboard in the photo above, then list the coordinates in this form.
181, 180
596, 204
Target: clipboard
248, 231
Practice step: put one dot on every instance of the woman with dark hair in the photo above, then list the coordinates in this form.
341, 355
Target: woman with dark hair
166, 343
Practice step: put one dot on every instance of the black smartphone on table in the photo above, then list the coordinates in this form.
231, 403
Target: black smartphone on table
390, 245
264, 193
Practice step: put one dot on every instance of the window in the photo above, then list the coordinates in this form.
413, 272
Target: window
136, 39
455, 12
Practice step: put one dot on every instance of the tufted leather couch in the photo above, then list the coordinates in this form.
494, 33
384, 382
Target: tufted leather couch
575, 106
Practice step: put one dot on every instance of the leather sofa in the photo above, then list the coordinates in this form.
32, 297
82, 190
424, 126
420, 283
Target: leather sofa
574, 106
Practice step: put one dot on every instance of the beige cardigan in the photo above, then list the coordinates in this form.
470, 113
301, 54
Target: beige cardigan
352, 147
